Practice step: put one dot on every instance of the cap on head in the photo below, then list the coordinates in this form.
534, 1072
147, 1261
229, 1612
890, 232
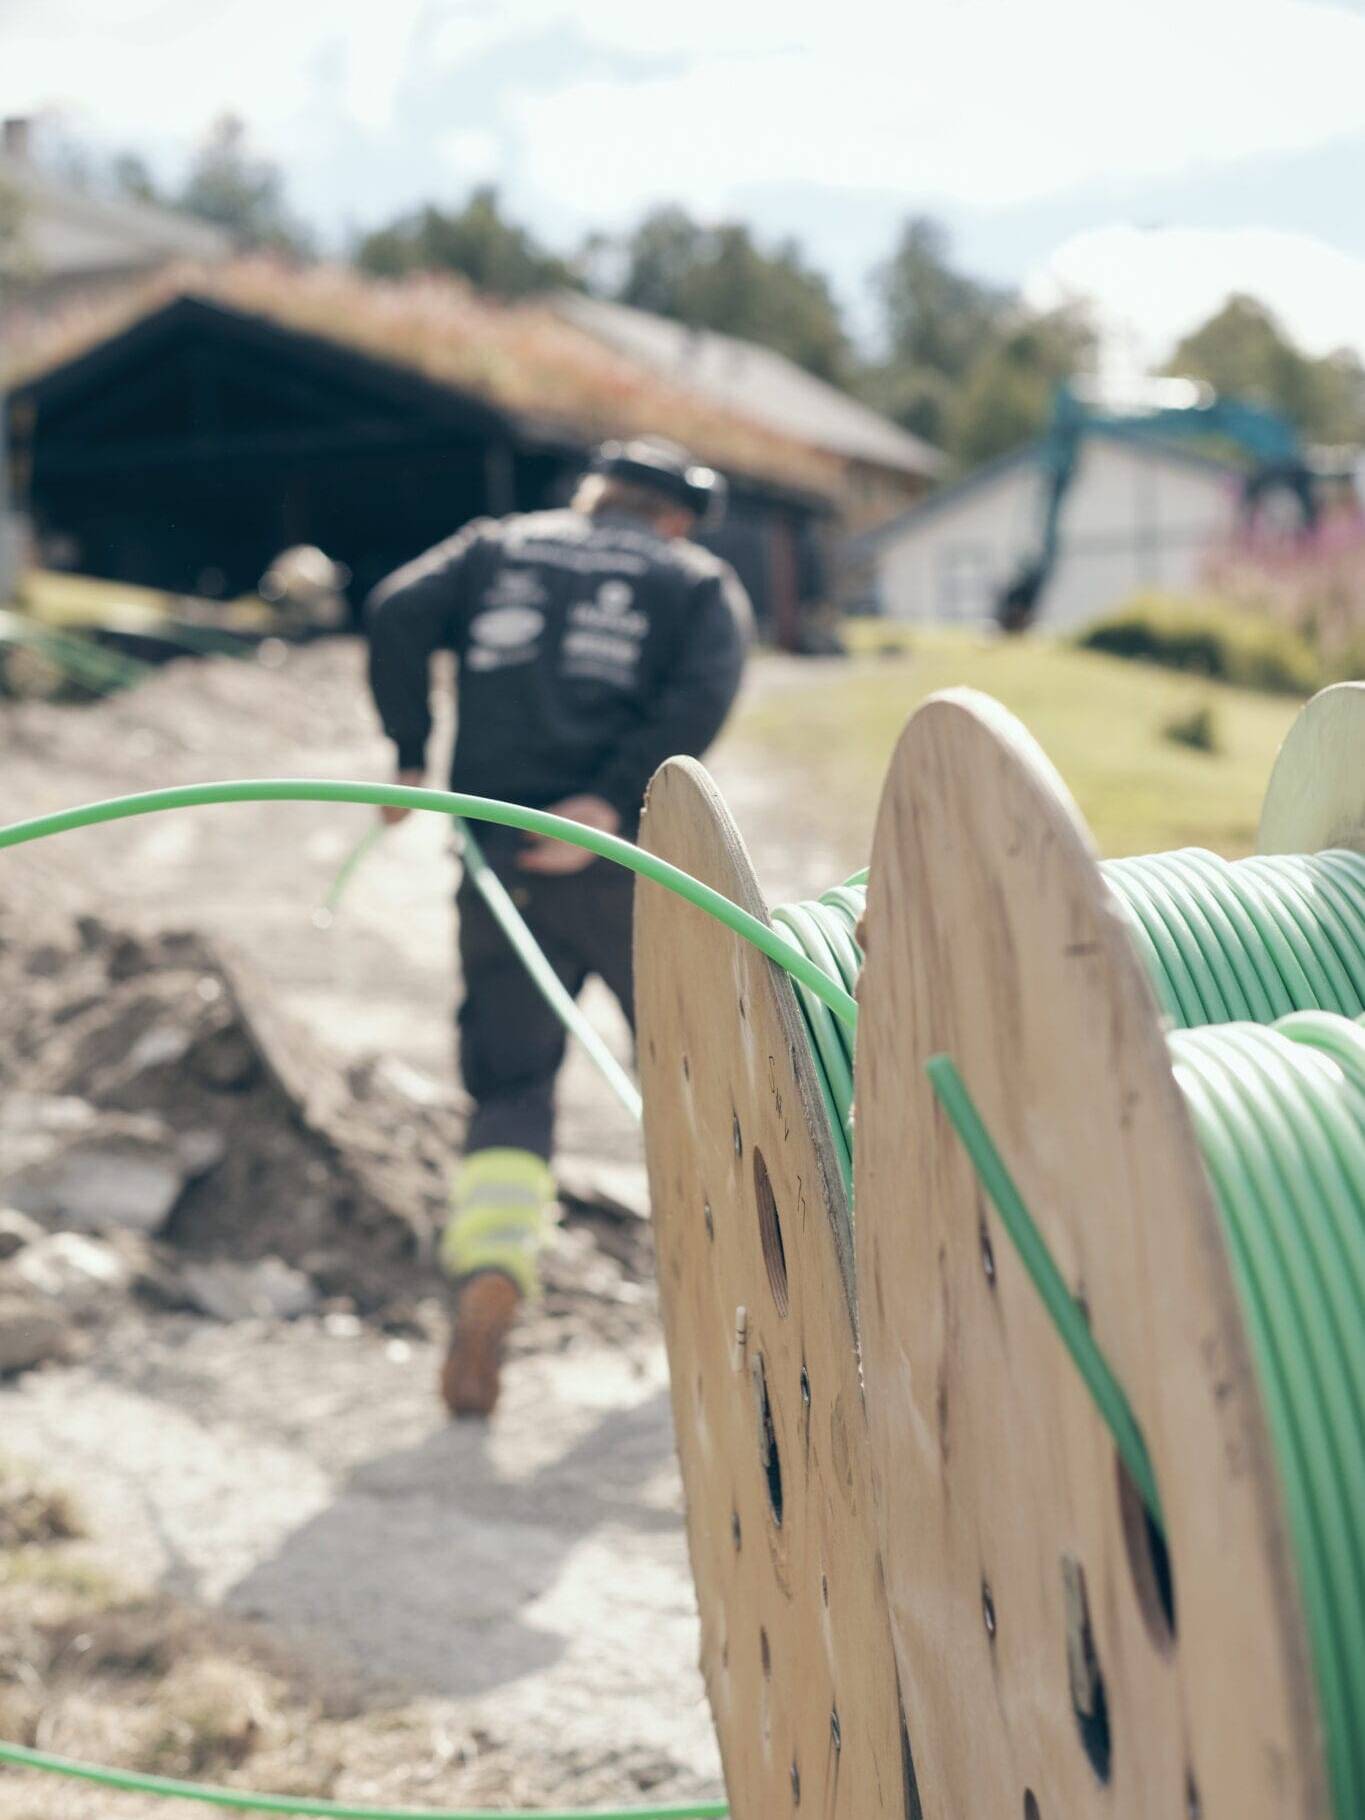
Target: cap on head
666, 468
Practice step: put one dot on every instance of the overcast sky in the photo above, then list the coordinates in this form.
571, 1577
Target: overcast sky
1150, 154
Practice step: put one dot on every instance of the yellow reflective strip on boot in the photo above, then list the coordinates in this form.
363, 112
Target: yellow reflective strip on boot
503, 1168
503, 1203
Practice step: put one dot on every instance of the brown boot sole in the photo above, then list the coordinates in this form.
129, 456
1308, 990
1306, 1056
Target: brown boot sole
485, 1308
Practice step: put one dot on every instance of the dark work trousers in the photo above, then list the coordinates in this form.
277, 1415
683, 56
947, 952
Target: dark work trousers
511, 1043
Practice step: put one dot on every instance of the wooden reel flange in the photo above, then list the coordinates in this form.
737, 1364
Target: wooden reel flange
1055, 1663
755, 1274
1316, 795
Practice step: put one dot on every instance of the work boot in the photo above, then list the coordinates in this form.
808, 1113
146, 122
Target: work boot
485, 1308
501, 1207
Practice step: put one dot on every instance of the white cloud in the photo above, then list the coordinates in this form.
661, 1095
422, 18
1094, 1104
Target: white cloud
377, 41
133, 67
984, 103
1150, 286
470, 154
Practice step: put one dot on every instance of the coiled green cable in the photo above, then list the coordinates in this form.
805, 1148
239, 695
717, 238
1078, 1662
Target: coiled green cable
1280, 1116
1247, 940
825, 931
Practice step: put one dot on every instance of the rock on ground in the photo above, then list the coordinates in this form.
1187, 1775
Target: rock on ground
30, 1334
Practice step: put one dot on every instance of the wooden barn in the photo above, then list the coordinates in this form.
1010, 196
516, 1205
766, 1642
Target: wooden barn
182, 438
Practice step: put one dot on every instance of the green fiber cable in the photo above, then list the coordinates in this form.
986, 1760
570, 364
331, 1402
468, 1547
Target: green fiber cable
823, 931
547, 982
1260, 1101
1256, 987
347, 870
244, 1801
1227, 941
1341, 913
474, 808
1072, 1327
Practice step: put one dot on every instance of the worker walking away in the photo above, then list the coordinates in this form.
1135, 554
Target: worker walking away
592, 643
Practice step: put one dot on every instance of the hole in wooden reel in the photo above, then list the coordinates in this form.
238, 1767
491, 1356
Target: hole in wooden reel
769, 1458
1031, 1805
987, 1252
1149, 1562
770, 1233
1089, 1701
909, 1781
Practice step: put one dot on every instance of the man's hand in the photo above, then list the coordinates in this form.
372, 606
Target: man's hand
389, 813
555, 858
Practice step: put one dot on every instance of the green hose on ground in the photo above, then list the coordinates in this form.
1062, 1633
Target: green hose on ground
244, 1801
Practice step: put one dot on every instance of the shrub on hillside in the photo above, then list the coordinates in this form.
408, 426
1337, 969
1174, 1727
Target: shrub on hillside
1211, 638
1197, 729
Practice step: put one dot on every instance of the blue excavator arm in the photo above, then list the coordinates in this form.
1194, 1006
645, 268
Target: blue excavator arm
1183, 411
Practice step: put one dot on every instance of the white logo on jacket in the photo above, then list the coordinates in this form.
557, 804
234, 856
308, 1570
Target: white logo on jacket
504, 635
610, 611
605, 636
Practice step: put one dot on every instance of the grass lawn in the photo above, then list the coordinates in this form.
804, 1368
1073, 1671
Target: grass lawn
831, 725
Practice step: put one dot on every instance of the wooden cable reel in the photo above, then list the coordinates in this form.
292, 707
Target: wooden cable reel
1316, 795
1056, 1662
755, 1271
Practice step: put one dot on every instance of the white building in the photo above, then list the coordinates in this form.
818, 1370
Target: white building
1138, 514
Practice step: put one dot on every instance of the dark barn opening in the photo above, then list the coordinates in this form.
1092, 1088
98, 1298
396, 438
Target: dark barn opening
187, 451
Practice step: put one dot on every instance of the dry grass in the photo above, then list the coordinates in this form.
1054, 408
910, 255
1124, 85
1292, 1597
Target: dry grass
32, 1512
145, 1682
520, 356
